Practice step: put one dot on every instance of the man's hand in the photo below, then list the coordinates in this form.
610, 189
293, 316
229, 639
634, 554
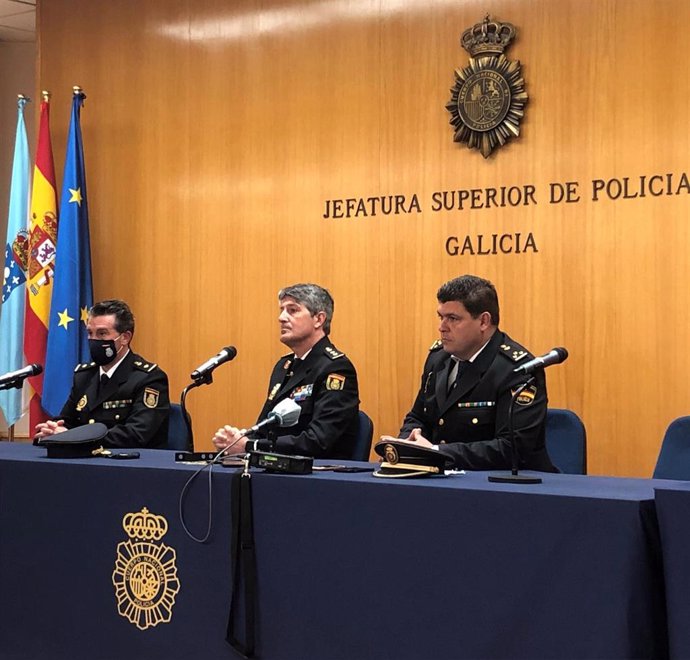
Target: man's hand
415, 437
231, 439
44, 429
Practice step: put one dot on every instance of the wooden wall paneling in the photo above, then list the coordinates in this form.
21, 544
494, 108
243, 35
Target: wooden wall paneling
214, 133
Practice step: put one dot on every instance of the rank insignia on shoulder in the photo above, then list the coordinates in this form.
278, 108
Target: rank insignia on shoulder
145, 366
526, 397
82, 403
335, 382
287, 363
151, 397
436, 345
514, 354
82, 367
332, 353
273, 391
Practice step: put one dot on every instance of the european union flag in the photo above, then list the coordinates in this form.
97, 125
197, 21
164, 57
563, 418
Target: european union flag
72, 286
14, 272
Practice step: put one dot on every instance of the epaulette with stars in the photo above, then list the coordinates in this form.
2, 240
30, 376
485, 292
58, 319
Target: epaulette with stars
332, 353
84, 367
436, 345
514, 353
144, 366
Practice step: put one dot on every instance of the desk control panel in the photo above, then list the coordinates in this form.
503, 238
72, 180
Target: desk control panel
273, 462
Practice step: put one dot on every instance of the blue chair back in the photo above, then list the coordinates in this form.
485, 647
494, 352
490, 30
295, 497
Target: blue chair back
674, 456
566, 441
178, 434
365, 432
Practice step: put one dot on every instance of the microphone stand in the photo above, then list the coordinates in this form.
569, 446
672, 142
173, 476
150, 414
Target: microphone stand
207, 379
513, 477
17, 382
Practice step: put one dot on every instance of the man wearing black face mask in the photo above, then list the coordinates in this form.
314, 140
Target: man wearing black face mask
119, 388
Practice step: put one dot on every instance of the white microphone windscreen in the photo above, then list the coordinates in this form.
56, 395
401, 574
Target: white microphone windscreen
288, 412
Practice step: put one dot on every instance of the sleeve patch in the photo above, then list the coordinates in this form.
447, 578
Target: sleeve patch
335, 382
526, 397
151, 397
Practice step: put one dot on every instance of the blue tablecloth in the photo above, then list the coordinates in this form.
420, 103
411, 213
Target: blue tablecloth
673, 510
350, 566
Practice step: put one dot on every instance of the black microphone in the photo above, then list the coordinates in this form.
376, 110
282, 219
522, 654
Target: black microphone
286, 413
225, 355
554, 356
21, 374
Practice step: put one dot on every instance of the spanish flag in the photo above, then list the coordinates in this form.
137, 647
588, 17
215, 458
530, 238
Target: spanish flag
41, 262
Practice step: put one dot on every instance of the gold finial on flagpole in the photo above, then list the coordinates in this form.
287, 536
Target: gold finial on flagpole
46, 95
78, 93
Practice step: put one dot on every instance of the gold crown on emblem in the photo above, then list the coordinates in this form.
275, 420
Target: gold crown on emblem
488, 37
145, 525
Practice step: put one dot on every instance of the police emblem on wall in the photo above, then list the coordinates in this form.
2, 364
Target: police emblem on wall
145, 575
488, 98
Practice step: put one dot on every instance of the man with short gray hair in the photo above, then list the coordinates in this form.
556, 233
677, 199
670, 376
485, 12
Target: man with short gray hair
316, 375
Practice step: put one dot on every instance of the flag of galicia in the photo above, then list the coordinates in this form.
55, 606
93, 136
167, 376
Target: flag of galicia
72, 286
14, 271
13, 274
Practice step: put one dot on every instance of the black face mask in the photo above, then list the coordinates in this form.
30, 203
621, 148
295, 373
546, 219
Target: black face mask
102, 351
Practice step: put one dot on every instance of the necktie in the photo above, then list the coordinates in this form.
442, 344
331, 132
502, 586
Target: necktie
103, 383
293, 368
458, 369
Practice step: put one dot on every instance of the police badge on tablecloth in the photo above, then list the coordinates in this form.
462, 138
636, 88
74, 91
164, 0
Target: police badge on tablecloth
145, 575
488, 98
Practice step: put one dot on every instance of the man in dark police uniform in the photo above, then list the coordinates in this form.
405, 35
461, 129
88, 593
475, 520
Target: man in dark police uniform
316, 375
463, 404
124, 391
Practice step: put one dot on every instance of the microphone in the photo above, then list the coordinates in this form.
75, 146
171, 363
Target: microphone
286, 413
13, 378
554, 356
225, 355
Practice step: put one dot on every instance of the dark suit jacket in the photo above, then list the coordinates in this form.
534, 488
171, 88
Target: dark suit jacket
471, 422
325, 387
134, 405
